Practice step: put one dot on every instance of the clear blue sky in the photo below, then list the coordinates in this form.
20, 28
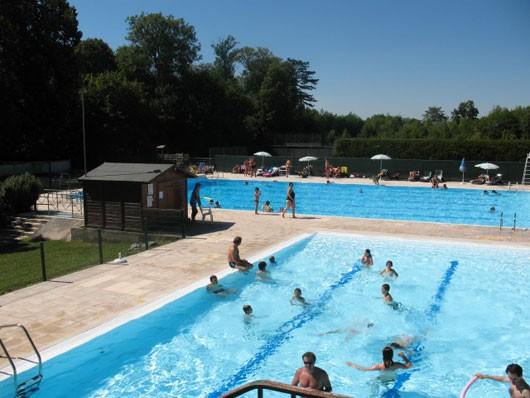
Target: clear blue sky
371, 56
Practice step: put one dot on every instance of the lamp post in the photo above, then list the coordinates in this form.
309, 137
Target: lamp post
84, 132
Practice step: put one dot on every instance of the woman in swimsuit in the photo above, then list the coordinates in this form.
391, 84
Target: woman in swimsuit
290, 200
388, 362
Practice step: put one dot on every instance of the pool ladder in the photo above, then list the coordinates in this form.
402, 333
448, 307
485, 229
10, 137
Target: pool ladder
24, 388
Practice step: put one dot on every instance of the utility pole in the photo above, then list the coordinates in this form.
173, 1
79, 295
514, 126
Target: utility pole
84, 132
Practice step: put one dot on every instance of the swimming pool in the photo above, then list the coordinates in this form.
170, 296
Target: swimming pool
466, 305
454, 206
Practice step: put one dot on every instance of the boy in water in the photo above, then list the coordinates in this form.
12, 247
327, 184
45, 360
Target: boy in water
388, 362
262, 272
297, 298
514, 372
367, 259
389, 270
216, 288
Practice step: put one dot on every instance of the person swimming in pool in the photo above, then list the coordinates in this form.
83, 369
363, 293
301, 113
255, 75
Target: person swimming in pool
297, 298
351, 331
389, 270
388, 299
513, 372
367, 258
262, 272
388, 362
216, 288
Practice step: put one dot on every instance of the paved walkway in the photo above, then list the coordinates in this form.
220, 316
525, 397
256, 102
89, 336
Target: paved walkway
57, 310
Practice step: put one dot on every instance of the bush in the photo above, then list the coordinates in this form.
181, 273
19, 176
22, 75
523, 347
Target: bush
20, 192
434, 149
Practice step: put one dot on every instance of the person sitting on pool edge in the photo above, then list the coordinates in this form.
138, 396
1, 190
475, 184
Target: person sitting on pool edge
234, 261
388, 362
367, 259
389, 270
311, 376
513, 371
297, 298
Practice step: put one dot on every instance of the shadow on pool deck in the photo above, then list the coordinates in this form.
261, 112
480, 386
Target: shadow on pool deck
201, 227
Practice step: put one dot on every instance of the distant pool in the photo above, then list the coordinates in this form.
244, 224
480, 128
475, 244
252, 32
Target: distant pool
453, 206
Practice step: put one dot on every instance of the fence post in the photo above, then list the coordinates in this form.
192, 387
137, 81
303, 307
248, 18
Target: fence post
100, 247
183, 224
43, 262
146, 237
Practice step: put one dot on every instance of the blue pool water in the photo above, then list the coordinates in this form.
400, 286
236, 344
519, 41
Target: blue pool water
466, 305
455, 206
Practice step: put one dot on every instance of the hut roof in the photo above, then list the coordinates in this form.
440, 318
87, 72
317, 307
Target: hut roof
129, 172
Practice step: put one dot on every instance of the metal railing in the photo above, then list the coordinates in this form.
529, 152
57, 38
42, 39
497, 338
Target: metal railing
68, 202
268, 385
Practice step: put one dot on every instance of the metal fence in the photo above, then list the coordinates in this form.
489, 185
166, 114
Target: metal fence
511, 171
61, 202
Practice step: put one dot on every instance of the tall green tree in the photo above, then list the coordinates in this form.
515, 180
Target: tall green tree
305, 82
94, 56
170, 43
434, 114
466, 110
226, 56
38, 78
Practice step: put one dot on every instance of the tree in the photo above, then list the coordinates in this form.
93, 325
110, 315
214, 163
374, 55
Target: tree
134, 64
466, 110
226, 56
305, 81
170, 44
434, 114
94, 56
38, 78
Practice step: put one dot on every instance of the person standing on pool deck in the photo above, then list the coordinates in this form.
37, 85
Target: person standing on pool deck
388, 362
195, 200
290, 202
513, 371
287, 168
257, 195
234, 261
311, 376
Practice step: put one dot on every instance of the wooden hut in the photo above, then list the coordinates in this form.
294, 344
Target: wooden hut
127, 196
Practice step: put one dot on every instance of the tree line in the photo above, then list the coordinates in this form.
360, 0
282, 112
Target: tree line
156, 90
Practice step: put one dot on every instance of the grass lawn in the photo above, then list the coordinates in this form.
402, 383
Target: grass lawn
20, 264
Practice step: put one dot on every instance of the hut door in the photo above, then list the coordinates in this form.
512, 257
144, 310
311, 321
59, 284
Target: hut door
166, 195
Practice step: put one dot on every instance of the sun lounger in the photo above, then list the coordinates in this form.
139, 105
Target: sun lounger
427, 177
414, 175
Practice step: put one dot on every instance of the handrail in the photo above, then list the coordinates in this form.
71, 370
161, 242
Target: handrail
10, 358
294, 391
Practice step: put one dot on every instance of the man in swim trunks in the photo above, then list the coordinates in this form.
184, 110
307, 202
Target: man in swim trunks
234, 261
513, 371
311, 376
388, 362
389, 270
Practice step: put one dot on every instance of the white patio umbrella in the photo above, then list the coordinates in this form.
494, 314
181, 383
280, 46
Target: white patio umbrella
487, 166
380, 157
263, 155
307, 159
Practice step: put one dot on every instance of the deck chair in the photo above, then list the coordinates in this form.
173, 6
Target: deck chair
207, 212
414, 175
427, 177
439, 174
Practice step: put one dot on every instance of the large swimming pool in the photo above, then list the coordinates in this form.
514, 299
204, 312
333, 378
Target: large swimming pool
455, 206
466, 305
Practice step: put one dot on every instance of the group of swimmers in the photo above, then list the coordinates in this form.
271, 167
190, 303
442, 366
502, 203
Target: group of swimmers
311, 376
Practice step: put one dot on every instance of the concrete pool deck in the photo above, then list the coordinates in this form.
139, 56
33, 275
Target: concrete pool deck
57, 310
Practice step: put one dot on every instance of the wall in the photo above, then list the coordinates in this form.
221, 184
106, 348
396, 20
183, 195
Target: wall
56, 167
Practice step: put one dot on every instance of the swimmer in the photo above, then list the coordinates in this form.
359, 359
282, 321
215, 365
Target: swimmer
350, 331
247, 309
272, 260
387, 297
514, 372
367, 259
402, 342
486, 192
361, 190
297, 298
216, 288
445, 186
389, 271
217, 204
388, 362
262, 272
492, 209
267, 207
494, 192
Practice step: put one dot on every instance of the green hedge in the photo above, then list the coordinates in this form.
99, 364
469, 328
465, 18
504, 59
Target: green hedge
497, 150
20, 192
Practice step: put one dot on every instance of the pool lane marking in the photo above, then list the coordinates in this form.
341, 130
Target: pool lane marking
430, 315
283, 334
